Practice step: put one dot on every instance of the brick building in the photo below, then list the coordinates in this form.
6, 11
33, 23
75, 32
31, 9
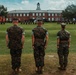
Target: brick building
25, 15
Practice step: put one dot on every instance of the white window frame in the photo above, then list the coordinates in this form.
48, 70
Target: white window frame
56, 19
52, 14
27, 14
53, 19
33, 18
17, 14
56, 14
10, 19
49, 19
33, 14
39, 14
6, 19
43, 14
36, 14
24, 14
49, 14
20, 14
43, 17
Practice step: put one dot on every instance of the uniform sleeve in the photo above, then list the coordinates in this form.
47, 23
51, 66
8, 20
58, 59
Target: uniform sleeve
7, 31
46, 32
23, 32
32, 32
58, 35
69, 35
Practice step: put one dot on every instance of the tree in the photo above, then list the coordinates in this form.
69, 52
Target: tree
70, 12
3, 11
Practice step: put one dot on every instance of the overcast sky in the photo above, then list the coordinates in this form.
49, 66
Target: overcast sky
32, 4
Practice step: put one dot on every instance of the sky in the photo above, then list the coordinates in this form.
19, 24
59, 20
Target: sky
32, 4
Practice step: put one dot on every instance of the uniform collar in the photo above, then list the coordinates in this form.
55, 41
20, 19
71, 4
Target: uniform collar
15, 25
39, 26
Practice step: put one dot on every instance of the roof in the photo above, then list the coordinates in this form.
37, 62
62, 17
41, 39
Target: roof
35, 11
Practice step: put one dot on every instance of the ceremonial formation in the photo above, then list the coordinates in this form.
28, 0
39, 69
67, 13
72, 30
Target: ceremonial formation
15, 37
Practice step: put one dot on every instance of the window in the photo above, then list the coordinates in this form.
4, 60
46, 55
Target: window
6, 19
27, 14
24, 14
39, 14
17, 14
52, 14
20, 14
52, 19
73, 19
36, 14
43, 17
33, 18
10, 19
55, 14
49, 14
56, 19
49, 19
43, 14
33, 14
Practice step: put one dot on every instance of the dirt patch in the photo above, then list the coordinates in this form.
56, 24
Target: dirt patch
28, 65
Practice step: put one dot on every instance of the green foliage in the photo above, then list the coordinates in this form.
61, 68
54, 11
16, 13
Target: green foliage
3, 11
52, 28
69, 12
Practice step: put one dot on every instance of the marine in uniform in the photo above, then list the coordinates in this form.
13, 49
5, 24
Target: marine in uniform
15, 42
63, 44
39, 43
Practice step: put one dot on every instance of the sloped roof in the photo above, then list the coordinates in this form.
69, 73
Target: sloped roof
35, 11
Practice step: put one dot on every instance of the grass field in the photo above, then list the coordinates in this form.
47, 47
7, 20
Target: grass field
52, 28
51, 59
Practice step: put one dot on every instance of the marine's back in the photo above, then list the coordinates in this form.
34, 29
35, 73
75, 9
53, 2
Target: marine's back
39, 32
15, 35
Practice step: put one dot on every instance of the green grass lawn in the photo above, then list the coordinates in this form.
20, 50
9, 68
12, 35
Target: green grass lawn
52, 28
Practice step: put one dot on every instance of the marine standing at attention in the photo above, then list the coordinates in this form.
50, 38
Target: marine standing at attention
63, 45
15, 42
39, 44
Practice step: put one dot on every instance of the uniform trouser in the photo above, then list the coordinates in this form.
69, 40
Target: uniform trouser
39, 54
16, 58
63, 56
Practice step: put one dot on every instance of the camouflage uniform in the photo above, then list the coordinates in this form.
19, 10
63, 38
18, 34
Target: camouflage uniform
15, 45
63, 49
39, 52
